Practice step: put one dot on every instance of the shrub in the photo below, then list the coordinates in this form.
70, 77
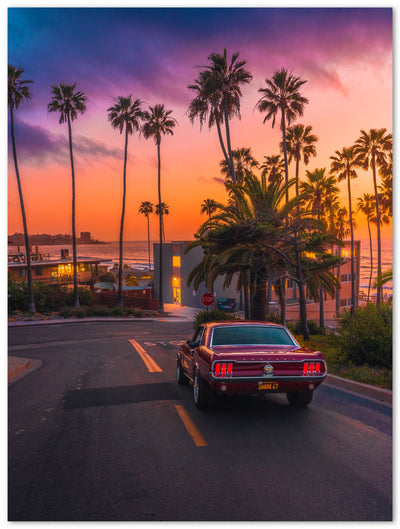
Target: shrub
313, 327
205, 316
366, 336
117, 311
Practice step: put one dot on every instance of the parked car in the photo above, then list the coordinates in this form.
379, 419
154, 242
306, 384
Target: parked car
248, 358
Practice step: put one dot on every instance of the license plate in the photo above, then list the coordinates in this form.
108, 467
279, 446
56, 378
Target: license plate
268, 385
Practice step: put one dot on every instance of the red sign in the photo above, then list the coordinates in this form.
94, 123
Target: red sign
207, 299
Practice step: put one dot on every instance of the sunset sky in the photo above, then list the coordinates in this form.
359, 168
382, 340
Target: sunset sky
344, 54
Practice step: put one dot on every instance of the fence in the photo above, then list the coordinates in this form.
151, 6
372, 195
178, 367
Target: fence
110, 299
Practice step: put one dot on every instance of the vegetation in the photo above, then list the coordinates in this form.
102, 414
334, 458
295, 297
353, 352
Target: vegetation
157, 123
146, 208
205, 316
69, 103
124, 115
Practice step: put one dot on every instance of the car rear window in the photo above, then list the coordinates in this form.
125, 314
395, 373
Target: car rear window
248, 335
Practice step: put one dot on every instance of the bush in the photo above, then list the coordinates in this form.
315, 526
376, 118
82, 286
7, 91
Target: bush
366, 336
205, 316
313, 327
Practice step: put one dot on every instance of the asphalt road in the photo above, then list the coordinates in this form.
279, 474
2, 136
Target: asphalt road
102, 432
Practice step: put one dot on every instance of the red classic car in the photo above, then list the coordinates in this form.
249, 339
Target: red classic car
248, 358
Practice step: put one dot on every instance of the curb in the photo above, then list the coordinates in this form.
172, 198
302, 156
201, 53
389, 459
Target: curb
16, 370
382, 394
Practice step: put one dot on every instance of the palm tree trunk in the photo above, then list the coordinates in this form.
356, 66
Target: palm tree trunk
221, 141
371, 258
338, 288
160, 297
31, 301
259, 301
148, 239
378, 231
283, 127
353, 279
302, 297
121, 229
228, 141
74, 263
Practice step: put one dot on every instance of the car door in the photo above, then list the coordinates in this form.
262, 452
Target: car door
189, 348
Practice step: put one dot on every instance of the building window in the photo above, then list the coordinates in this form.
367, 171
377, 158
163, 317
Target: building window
176, 261
84, 267
38, 270
22, 272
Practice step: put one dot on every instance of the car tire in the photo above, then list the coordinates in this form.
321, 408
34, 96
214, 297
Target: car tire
203, 395
180, 374
300, 398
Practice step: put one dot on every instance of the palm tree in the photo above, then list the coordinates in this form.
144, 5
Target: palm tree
282, 94
372, 150
146, 208
163, 210
366, 205
300, 145
18, 92
218, 89
273, 167
244, 162
343, 166
125, 115
209, 206
158, 123
318, 193
386, 188
69, 103
341, 225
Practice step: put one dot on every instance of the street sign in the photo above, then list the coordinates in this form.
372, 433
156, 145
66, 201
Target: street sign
207, 299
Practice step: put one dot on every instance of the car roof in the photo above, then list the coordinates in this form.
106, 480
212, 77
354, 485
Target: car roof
235, 323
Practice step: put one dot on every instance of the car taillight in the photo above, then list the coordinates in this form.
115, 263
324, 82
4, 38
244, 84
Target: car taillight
313, 368
223, 369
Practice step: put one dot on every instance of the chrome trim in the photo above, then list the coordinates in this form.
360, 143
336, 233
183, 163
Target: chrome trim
250, 325
277, 378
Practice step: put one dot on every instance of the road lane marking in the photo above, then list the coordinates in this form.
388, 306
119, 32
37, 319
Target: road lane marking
190, 426
151, 365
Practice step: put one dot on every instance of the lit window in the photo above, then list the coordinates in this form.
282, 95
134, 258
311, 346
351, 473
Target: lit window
176, 261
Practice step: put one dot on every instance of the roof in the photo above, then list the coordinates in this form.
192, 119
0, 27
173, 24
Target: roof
55, 262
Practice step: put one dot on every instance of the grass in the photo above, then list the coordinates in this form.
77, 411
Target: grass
338, 365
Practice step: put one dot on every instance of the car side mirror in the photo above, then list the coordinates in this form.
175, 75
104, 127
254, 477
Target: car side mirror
192, 345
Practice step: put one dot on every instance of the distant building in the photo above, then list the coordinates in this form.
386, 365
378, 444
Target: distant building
177, 266
86, 237
55, 271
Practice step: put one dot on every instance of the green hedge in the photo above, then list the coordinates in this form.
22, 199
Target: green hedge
205, 316
366, 336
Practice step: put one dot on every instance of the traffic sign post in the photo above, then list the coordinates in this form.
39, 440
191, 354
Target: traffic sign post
207, 299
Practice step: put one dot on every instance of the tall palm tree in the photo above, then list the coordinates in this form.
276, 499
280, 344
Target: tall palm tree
282, 94
159, 122
69, 104
319, 192
146, 208
163, 210
218, 90
300, 145
373, 149
386, 188
273, 167
343, 166
366, 205
18, 92
209, 206
125, 115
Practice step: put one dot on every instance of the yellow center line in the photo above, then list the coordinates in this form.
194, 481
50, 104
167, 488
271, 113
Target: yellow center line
190, 426
151, 365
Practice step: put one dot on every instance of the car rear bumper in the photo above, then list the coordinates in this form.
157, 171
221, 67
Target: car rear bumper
247, 385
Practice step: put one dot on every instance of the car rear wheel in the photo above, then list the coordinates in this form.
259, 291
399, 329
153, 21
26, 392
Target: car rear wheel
203, 395
180, 374
299, 398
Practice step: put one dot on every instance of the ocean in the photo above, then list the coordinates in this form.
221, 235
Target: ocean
136, 256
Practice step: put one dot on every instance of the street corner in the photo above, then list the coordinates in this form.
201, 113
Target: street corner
19, 367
